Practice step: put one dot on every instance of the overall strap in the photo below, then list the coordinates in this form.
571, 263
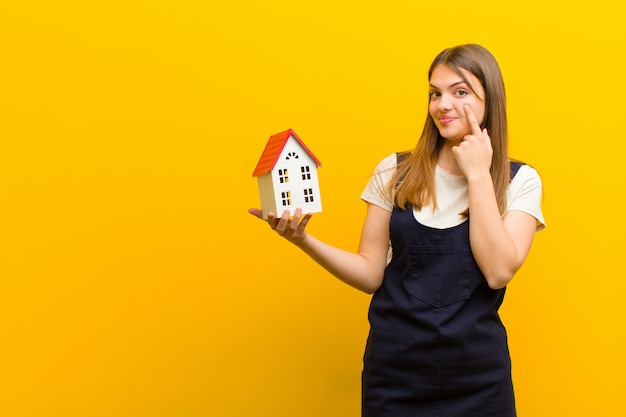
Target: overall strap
400, 156
515, 166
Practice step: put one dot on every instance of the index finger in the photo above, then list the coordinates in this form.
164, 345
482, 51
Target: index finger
472, 120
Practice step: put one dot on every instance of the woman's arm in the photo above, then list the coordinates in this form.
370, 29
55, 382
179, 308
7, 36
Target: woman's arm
362, 270
500, 244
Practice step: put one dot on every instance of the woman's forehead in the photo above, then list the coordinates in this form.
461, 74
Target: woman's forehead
448, 75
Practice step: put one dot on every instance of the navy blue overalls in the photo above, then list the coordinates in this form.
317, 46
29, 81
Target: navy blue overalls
436, 346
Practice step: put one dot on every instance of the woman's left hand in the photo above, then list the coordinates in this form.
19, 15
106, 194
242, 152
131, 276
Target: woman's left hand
292, 228
474, 153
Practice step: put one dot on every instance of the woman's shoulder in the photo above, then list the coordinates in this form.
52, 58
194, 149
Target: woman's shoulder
387, 163
525, 193
523, 173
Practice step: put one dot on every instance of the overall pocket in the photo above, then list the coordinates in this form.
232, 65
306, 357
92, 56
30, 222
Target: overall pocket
439, 275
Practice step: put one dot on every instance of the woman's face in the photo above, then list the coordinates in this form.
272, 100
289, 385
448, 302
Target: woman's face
448, 94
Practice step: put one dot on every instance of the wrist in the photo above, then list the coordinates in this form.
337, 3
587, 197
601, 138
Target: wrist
301, 241
478, 178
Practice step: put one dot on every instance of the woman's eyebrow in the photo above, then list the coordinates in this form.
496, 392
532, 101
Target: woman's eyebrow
450, 86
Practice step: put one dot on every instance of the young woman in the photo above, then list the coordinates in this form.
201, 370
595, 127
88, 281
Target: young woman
457, 218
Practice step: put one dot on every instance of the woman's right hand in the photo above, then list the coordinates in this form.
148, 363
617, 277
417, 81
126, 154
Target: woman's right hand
363, 270
291, 228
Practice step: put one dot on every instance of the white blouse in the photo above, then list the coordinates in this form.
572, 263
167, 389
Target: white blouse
523, 194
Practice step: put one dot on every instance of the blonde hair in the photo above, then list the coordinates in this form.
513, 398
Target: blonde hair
413, 183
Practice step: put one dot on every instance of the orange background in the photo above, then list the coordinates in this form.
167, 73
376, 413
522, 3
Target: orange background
134, 283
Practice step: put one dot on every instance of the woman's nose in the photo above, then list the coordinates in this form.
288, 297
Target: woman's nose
445, 102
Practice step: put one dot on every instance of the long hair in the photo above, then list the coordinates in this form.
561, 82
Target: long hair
413, 183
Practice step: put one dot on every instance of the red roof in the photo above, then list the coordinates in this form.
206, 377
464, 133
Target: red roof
272, 151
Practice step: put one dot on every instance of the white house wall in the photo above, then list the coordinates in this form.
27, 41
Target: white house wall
295, 185
266, 192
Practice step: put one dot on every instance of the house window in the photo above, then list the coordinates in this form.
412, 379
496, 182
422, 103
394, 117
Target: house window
283, 176
306, 173
286, 196
292, 155
308, 195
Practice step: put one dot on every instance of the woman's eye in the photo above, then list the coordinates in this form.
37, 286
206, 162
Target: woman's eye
434, 94
462, 92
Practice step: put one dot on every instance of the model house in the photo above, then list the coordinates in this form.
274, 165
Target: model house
287, 176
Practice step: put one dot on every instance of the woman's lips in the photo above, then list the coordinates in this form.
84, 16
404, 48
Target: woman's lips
446, 120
